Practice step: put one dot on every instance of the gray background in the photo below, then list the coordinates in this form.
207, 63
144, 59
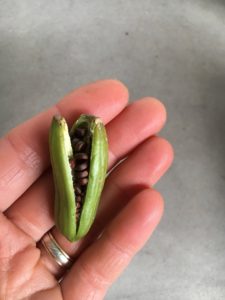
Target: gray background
173, 50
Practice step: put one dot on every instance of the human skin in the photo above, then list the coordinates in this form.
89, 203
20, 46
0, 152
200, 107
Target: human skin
130, 207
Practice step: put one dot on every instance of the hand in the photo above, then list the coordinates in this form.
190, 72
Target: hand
130, 208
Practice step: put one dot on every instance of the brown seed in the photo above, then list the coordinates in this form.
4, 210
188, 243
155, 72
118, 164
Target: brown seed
79, 146
83, 181
81, 166
72, 163
77, 216
74, 141
82, 174
78, 200
79, 132
83, 188
78, 190
81, 156
78, 211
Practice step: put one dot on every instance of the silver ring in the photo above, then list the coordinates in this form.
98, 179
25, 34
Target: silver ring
55, 251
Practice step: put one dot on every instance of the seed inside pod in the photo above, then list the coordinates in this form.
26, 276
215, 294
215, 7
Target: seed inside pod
81, 166
72, 164
78, 201
82, 181
82, 174
79, 132
79, 145
78, 190
74, 141
81, 156
81, 140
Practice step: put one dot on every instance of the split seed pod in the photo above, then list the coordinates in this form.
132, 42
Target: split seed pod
79, 161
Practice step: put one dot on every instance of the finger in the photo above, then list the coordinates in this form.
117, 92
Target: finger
103, 262
24, 150
152, 116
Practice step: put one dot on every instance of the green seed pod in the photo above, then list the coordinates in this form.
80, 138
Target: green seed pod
79, 161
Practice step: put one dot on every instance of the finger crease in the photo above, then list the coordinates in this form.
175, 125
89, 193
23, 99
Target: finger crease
126, 252
22, 223
92, 277
29, 157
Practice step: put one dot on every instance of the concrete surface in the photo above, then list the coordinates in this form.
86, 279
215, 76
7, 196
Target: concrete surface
173, 50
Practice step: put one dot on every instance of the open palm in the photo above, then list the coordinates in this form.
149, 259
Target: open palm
129, 211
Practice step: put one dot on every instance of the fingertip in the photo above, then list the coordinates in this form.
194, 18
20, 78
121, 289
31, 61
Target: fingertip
119, 87
115, 89
151, 112
168, 151
118, 93
152, 202
158, 109
157, 203
103, 98
160, 157
161, 107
